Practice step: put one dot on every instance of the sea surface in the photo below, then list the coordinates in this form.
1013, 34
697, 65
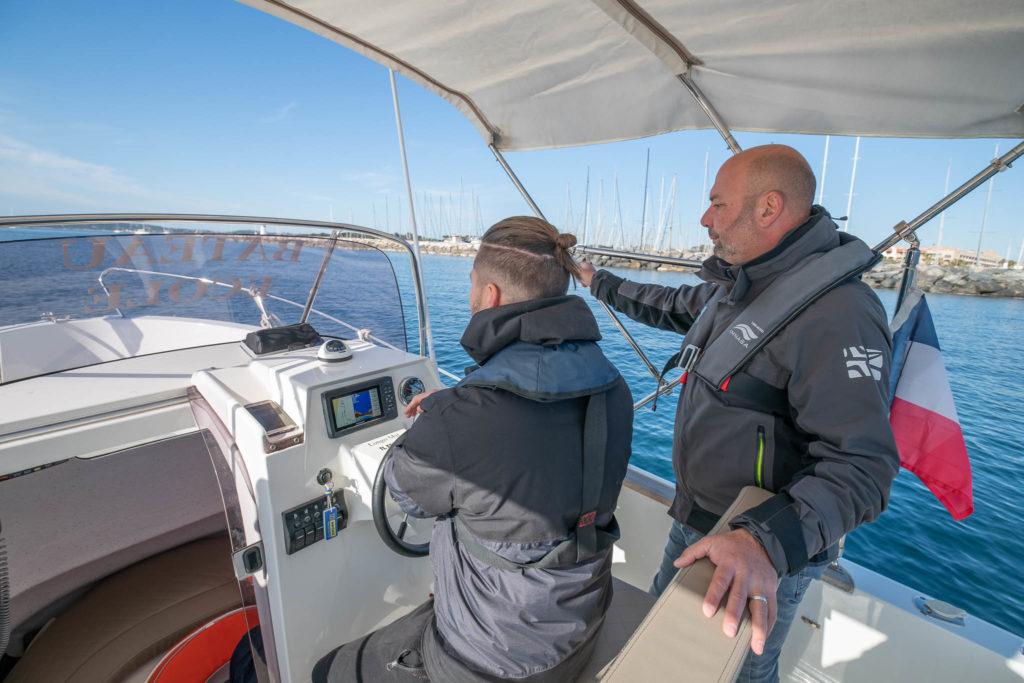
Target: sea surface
974, 564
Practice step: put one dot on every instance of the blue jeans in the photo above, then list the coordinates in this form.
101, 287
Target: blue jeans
763, 667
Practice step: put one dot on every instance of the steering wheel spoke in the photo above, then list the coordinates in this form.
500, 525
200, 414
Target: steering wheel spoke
392, 537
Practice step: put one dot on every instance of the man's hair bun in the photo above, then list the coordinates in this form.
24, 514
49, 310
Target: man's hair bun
566, 240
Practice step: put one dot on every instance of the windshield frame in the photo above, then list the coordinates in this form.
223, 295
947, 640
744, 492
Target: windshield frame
339, 231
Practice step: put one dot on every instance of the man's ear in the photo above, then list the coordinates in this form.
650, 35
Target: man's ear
769, 208
492, 295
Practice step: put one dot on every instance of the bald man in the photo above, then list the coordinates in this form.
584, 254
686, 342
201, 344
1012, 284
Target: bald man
786, 356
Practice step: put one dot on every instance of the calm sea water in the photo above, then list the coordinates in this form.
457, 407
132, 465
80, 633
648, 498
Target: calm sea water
974, 564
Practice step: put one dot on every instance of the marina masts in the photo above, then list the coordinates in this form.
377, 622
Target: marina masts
984, 216
853, 177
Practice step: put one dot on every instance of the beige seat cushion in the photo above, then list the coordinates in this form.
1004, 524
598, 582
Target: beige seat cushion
629, 607
133, 615
676, 639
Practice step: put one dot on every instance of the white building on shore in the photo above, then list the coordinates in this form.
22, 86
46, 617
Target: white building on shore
947, 256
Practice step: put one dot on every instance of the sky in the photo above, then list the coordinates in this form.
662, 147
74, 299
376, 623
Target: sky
209, 106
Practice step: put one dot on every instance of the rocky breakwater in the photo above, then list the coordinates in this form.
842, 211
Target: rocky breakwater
964, 280
614, 262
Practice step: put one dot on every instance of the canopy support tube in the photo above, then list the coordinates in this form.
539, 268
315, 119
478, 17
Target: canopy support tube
611, 314
426, 335
716, 119
903, 229
515, 181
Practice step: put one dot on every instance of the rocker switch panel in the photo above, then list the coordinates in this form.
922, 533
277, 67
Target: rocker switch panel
304, 524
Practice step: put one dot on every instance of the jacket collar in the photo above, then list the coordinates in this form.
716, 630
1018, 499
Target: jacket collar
545, 322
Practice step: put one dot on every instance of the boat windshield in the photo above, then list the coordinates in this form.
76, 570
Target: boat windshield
114, 291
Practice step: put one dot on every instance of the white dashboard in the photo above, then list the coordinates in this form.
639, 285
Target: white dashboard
293, 415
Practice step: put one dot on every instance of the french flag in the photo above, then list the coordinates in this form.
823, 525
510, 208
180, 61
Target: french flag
922, 414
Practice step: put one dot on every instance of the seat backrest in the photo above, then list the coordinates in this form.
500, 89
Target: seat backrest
676, 639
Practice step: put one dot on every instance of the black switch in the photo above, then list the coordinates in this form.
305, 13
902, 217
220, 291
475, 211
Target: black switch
252, 560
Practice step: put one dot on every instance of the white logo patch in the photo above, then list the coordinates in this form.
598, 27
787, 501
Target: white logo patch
862, 362
745, 333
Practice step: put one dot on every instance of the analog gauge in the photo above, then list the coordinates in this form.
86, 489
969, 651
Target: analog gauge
410, 387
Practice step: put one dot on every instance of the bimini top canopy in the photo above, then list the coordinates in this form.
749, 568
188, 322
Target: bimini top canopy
551, 73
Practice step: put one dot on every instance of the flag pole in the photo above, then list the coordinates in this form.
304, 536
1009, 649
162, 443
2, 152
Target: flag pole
910, 262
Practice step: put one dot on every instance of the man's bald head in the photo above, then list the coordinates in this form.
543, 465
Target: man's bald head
759, 195
782, 169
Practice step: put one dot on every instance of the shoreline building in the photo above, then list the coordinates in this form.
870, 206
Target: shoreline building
947, 256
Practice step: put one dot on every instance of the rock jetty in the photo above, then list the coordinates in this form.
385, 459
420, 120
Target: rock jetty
966, 280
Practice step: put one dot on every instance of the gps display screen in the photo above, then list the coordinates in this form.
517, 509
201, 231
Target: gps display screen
358, 406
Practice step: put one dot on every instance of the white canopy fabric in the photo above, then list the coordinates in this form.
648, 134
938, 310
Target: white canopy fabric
533, 74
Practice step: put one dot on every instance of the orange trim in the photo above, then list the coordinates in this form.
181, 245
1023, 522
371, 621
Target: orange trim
201, 653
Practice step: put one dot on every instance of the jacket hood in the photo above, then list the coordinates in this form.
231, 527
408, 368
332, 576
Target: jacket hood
545, 322
818, 233
543, 350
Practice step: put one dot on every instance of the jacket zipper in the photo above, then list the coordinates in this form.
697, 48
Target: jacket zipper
760, 457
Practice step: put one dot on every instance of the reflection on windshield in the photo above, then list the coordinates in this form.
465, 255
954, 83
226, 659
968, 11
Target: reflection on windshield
241, 282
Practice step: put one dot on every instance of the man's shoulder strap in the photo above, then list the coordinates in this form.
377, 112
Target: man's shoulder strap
586, 539
778, 305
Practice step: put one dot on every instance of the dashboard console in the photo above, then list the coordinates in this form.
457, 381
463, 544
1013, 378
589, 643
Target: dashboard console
309, 434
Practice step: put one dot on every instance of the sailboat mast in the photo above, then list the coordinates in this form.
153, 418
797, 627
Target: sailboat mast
824, 167
643, 210
703, 195
984, 216
586, 207
618, 208
853, 177
945, 191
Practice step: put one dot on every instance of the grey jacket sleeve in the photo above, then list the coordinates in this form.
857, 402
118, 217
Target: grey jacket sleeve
667, 308
840, 357
420, 474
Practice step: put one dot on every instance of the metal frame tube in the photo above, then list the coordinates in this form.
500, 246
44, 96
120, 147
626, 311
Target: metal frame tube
665, 388
712, 113
515, 181
424, 320
72, 219
319, 278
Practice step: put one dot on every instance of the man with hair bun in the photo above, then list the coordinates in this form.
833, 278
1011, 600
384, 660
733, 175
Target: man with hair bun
786, 359
521, 463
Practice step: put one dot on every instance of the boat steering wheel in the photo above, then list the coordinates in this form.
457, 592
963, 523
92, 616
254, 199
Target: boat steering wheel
385, 509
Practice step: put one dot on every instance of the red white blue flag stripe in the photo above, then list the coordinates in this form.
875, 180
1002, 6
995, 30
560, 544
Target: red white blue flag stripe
922, 414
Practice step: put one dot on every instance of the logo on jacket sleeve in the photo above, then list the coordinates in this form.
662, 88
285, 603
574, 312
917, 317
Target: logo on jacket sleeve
862, 362
745, 333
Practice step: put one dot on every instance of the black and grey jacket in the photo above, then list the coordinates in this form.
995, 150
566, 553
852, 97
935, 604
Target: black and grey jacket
828, 453
502, 450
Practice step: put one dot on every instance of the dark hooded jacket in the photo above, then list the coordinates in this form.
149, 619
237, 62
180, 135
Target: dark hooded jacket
829, 455
503, 451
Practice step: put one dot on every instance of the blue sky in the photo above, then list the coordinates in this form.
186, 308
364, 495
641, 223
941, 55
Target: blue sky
209, 106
